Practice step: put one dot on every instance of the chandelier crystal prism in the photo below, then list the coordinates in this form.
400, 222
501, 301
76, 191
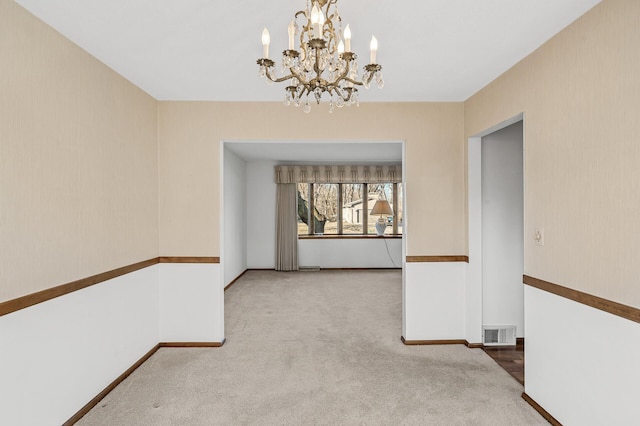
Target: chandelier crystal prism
323, 62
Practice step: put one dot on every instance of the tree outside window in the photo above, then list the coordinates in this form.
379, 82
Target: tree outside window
325, 197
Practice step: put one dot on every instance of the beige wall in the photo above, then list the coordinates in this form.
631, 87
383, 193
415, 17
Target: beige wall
580, 93
78, 161
191, 133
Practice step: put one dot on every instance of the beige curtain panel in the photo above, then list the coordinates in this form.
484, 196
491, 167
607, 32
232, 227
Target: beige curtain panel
287, 227
388, 173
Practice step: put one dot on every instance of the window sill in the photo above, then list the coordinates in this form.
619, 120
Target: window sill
347, 237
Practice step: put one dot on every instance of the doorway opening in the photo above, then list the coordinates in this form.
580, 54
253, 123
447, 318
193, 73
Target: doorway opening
502, 232
248, 208
496, 243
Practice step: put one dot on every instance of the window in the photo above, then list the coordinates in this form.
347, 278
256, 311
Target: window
352, 206
325, 203
303, 209
344, 209
318, 209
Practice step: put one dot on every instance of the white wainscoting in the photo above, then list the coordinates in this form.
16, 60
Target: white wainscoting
191, 302
434, 301
58, 355
581, 363
350, 252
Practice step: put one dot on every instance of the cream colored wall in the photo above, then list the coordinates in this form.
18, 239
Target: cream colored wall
191, 134
580, 93
78, 161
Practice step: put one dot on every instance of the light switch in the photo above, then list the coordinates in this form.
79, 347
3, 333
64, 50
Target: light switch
539, 236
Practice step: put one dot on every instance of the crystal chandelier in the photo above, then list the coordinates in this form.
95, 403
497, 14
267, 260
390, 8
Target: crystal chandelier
323, 63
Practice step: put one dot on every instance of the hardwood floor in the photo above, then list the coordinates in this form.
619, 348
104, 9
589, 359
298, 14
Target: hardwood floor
511, 358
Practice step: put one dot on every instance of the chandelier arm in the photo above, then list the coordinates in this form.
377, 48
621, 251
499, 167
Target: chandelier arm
344, 77
340, 93
297, 76
306, 90
350, 80
281, 79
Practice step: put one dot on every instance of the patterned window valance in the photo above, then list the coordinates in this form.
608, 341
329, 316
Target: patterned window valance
388, 173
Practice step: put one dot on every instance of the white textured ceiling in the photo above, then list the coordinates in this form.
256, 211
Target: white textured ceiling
430, 50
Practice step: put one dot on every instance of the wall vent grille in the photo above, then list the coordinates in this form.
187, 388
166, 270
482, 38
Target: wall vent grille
499, 335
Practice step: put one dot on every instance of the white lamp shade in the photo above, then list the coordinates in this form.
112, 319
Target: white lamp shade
382, 207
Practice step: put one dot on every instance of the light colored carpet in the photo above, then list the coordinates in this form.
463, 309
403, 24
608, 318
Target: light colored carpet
316, 348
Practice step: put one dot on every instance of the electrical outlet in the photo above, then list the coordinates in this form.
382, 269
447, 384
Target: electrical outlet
539, 236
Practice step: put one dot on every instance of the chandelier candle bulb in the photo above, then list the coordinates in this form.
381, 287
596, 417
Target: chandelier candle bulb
321, 22
341, 47
292, 33
266, 39
315, 19
347, 38
374, 49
